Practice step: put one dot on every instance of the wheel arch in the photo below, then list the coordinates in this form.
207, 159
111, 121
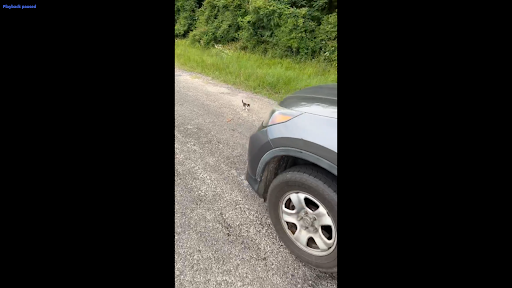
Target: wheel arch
278, 160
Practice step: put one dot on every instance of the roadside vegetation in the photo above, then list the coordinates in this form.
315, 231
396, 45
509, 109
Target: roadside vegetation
271, 77
269, 47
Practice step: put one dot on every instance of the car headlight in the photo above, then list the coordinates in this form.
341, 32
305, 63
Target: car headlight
280, 115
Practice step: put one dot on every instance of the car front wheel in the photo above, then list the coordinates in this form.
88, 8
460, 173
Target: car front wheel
303, 204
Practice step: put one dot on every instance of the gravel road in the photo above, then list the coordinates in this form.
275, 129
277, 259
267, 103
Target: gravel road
223, 235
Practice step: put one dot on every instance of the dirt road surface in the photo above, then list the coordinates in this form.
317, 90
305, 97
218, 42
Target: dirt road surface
223, 235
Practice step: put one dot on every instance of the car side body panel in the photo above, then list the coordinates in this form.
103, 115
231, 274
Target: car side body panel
291, 138
316, 134
310, 136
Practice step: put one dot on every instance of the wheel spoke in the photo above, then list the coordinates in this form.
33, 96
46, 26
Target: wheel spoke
320, 212
322, 242
298, 201
325, 221
302, 237
290, 216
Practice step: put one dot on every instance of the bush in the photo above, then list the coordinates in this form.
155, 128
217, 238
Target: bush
218, 22
328, 38
258, 28
296, 37
299, 29
184, 17
277, 29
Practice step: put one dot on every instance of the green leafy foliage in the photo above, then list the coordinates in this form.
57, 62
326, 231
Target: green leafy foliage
258, 28
296, 36
184, 17
218, 21
299, 29
328, 38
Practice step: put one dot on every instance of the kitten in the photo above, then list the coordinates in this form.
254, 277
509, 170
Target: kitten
246, 105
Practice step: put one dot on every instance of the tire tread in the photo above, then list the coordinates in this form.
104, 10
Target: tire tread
325, 177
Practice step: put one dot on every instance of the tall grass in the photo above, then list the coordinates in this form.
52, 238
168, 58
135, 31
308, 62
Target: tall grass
270, 77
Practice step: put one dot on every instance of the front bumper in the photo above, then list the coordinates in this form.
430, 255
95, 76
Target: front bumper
253, 182
259, 145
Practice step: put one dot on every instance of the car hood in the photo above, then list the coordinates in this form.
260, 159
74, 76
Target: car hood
319, 100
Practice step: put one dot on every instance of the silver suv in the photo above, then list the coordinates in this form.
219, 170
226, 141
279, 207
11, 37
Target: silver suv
292, 165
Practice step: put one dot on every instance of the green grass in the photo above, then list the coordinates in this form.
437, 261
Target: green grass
270, 77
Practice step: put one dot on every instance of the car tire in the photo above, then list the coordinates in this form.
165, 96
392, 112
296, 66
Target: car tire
316, 187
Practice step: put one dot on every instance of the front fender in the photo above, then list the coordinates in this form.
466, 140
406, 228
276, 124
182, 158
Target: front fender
286, 151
